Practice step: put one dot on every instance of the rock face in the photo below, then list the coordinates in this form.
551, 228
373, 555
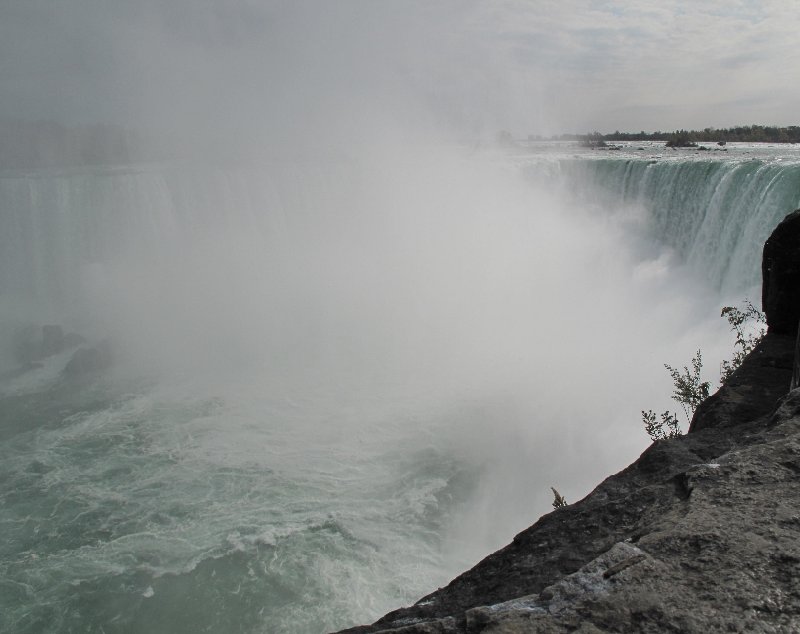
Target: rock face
753, 388
780, 292
34, 344
52, 340
87, 361
700, 534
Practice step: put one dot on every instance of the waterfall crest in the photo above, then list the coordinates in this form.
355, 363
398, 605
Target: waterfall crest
714, 213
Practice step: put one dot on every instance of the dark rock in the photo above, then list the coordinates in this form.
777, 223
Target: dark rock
87, 361
19, 371
72, 340
780, 293
26, 345
33, 344
52, 340
753, 388
701, 534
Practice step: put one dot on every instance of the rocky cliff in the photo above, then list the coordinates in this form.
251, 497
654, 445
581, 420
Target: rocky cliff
700, 534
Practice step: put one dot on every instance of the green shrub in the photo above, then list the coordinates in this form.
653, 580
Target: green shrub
739, 319
667, 427
689, 390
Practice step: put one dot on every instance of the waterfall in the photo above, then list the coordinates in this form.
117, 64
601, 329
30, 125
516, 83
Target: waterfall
715, 213
58, 231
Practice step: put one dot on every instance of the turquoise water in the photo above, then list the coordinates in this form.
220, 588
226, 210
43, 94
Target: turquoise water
715, 208
130, 510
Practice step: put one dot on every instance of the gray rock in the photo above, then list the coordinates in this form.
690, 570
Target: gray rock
753, 388
33, 344
86, 361
52, 340
780, 292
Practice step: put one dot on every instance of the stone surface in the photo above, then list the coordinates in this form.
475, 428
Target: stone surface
87, 361
753, 388
32, 344
52, 340
780, 292
700, 534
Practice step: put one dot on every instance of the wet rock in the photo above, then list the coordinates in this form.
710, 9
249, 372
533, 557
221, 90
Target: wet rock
26, 345
753, 389
780, 292
52, 340
72, 340
33, 344
86, 361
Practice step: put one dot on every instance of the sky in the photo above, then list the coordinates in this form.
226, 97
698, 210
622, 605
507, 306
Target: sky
284, 68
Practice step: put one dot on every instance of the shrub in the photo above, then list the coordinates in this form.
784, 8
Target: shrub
558, 499
667, 427
740, 320
689, 390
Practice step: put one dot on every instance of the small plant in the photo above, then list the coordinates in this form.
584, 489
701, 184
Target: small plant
558, 499
667, 427
740, 319
689, 390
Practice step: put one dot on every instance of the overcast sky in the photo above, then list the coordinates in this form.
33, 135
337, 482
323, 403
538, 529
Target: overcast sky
465, 66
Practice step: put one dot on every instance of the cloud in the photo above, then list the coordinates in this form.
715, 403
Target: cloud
470, 67
602, 58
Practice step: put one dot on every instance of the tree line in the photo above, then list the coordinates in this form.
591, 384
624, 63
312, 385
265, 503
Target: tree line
744, 134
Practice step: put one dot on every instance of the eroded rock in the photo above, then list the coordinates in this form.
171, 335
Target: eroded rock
780, 269
86, 361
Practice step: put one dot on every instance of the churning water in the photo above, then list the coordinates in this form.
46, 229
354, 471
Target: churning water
337, 383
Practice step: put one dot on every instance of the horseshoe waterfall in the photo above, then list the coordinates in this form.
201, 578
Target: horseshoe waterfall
291, 395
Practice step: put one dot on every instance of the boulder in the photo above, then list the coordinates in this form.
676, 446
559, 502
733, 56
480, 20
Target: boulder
52, 340
33, 344
754, 387
86, 361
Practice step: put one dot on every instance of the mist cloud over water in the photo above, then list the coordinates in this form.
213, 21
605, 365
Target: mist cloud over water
524, 332
367, 351
241, 76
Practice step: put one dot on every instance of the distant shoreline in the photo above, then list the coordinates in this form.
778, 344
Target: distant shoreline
738, 134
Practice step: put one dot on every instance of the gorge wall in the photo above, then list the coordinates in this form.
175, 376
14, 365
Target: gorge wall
700, 534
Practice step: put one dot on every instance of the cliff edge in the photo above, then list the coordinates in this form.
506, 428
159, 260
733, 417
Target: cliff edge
700, 534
